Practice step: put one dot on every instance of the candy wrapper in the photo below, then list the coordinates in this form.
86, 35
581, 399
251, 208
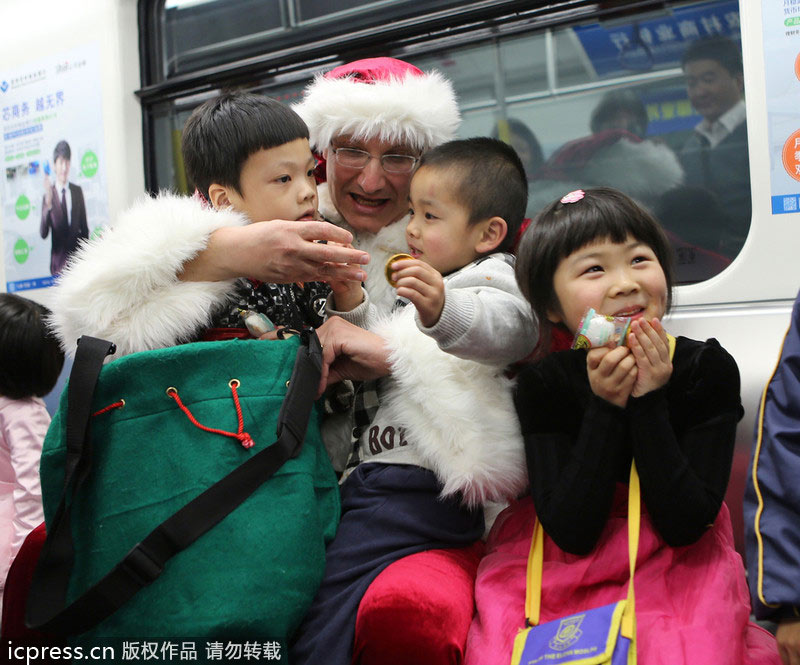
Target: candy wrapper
600, 330
388, 269
256, 323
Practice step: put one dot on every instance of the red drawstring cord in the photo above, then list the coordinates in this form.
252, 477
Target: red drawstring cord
115, 405
244, 437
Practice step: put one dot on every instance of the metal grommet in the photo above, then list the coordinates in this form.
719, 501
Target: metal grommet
234, 383
171, 389
288, 382
122, 405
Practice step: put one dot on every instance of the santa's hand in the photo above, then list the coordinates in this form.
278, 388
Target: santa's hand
350, 352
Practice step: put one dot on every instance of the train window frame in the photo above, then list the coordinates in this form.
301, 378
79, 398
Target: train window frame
431, 32
293, 30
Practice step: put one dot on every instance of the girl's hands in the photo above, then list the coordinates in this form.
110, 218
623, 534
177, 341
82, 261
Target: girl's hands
650, 349
612, 373
422, 285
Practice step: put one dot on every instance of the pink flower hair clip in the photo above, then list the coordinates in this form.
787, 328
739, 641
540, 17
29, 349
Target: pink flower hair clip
573, 197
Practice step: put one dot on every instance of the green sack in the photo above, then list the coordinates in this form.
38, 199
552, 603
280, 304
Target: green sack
254, 574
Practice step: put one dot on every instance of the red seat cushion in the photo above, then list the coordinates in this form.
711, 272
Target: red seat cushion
419, 610
18, 583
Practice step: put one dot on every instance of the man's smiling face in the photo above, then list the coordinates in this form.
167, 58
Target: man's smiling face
368, 198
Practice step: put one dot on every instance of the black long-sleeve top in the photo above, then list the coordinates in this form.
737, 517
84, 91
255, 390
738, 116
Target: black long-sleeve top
578, 446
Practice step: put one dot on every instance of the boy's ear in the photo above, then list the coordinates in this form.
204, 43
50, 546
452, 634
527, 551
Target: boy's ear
218, 196
493, 233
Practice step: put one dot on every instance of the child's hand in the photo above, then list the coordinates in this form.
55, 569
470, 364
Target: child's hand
347, 294
650, 348
612, 373
788, 636
422, 285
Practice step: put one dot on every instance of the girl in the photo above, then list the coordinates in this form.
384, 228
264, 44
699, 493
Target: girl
30, 362
584, 416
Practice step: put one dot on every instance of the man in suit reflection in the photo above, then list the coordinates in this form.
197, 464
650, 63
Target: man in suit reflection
63, 210
715, 156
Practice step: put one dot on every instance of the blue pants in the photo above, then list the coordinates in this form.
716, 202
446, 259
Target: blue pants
388, 511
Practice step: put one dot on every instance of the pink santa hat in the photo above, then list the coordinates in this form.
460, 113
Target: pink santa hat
380, 97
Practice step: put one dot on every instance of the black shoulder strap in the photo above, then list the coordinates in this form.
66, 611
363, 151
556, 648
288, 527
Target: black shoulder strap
144, 563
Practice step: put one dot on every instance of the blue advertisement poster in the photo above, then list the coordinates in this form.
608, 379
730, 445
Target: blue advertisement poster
781, 21
54, 191
658, 43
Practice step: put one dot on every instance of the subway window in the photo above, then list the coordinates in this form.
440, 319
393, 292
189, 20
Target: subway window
650, 103
197, 33
648, 99
189, 35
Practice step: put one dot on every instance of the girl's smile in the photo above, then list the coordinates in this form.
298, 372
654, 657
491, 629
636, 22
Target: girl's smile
618, 279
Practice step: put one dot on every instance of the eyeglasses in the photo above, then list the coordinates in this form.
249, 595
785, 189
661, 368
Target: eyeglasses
358, 159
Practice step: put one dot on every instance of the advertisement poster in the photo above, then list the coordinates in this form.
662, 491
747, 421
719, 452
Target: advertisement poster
55, 186
623, 48
782, 59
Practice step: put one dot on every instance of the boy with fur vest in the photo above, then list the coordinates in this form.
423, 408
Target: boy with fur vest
250, 160
439, 437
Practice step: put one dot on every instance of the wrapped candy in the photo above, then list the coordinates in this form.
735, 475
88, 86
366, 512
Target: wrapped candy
256, 323
601, 330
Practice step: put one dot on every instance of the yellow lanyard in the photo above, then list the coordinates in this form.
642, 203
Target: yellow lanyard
533, 591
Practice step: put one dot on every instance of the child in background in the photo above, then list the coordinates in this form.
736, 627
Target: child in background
30, 363
584, 417
442, 438
250, 160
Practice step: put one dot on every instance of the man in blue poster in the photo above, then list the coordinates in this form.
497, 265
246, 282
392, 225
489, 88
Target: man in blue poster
63, 210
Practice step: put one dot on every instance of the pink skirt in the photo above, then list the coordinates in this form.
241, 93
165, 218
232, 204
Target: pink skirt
692, 603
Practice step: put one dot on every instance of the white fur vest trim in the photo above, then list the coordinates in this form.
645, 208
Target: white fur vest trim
459, 414
380, 246
644, 171
123, 286
420, 111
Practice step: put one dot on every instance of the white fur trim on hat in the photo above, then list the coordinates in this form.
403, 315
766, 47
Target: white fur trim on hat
421, 111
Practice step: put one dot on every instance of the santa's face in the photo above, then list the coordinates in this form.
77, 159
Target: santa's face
369, 197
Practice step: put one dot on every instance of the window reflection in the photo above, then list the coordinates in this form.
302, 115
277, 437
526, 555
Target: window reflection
619, 102
651, 104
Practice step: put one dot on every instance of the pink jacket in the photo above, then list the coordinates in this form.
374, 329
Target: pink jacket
23, 424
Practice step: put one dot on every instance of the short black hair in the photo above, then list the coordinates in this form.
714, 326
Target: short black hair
224, 131
62, 150
615, 101
491, 180
31, 358
563, 228
720, 49
524, 132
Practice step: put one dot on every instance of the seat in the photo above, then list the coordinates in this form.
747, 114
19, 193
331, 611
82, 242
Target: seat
419, 609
